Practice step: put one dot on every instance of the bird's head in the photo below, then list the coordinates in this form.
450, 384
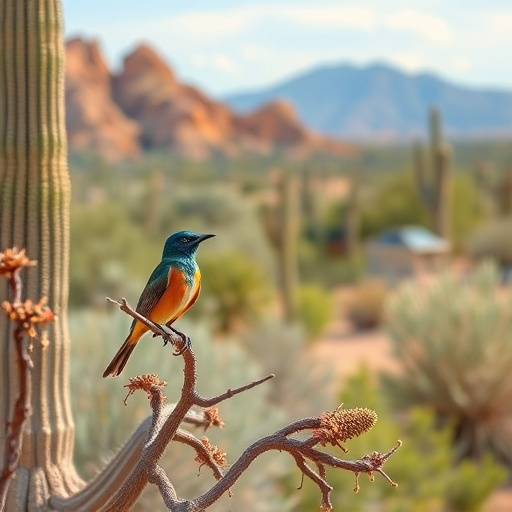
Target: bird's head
183, 243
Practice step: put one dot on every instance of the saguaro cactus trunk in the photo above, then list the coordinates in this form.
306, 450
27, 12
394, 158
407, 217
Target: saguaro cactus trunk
282, 225
434, 181
34, 213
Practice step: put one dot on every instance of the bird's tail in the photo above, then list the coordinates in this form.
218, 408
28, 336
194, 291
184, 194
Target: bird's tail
120, 359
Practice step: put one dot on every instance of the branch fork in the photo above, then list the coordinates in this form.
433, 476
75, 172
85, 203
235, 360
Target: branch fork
333, 428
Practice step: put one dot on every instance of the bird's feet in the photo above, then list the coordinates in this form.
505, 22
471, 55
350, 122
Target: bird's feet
184, 338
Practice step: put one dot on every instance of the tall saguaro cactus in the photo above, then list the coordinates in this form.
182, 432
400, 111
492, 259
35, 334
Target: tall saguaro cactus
434, 180
282, 224
353, 214
34, 214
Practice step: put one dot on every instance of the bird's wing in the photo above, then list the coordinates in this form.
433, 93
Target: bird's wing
154, 289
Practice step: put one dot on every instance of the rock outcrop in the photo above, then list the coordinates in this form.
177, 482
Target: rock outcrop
94, 122
145, 106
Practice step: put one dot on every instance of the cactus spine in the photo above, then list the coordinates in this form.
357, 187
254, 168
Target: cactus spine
282, 223
434, 184
34, 214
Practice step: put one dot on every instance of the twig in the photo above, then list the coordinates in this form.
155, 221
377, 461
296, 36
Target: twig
22, 408
209, 402
22, 411
187, 438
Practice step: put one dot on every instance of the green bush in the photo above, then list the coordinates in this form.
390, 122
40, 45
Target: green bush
109, 254
315, 309
235, 290
302, 386
393, 202
453, 339
428, 480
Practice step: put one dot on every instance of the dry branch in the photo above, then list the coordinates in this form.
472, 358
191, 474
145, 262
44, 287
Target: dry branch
25, 315
331, 427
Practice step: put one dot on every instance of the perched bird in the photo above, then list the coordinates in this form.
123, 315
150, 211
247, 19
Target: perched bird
172, 289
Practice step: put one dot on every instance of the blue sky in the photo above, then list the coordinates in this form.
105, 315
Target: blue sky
228, 45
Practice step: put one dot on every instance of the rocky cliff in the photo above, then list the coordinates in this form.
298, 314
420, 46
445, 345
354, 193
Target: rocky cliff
94, 122
146, 107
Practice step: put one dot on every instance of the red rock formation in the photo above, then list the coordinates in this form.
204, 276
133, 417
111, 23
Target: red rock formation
171, 116
278, 125
157, 111
94, 122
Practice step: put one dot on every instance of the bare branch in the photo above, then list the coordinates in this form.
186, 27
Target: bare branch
168, 335
299, 450
22, 411
329, 428
208, 402
25, 316
187, 438
319, 480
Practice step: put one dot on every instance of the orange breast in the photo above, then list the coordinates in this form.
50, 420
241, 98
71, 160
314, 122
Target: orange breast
177, 298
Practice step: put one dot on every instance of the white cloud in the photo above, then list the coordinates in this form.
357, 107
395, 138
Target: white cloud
461, 63
218, 62
328, 16
497, 27
409, 61
255, 53
430, 27
223, 63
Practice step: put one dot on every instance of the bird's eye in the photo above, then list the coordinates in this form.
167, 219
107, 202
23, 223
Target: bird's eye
185, 239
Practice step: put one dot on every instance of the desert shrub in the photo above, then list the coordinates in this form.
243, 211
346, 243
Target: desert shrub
393, 202
365, 308
105, 249
301, 386
453, 340
235, 290
493, 241
315, 309
424, 469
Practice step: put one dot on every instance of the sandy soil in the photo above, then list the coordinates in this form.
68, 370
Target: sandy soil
348, 349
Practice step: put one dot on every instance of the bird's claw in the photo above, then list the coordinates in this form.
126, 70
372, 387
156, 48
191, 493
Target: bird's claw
186, 345
185, 339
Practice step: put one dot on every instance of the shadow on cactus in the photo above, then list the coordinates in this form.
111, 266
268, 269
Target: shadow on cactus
453, 340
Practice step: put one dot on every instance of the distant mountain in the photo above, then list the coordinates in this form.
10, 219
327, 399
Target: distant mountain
380, 102
146, 107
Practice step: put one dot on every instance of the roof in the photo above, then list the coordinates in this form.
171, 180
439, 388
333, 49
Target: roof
414, 238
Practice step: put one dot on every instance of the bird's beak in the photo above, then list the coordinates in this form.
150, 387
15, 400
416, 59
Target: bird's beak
204, 237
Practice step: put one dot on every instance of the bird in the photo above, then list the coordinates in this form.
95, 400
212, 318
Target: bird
171, 290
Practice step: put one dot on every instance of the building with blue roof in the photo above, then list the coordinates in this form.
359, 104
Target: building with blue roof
406, 252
